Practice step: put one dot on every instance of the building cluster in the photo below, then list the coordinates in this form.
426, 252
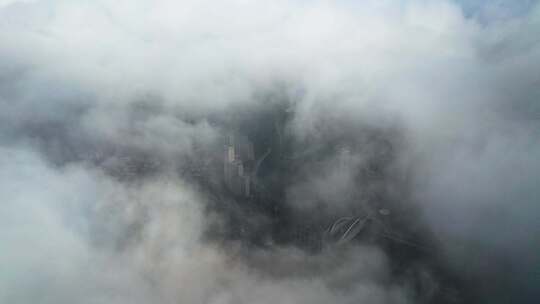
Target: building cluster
239, 161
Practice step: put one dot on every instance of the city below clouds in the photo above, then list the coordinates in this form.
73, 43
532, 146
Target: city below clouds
269, 151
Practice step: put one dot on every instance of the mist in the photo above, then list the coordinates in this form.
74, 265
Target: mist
392, 151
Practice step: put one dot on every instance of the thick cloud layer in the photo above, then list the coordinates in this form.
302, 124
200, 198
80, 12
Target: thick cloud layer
428, 108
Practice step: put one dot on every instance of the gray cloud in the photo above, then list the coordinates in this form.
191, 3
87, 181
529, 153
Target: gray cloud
422, 106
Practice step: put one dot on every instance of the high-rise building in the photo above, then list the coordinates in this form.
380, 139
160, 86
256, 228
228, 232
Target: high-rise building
238, 164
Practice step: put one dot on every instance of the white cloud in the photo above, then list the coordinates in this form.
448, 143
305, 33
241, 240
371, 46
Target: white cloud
73, 74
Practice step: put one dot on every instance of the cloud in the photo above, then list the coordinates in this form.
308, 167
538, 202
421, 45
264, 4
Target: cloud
423, 106
77, 235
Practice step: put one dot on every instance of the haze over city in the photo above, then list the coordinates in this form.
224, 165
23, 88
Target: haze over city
287, 151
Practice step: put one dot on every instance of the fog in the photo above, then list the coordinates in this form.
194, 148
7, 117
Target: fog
423, 112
